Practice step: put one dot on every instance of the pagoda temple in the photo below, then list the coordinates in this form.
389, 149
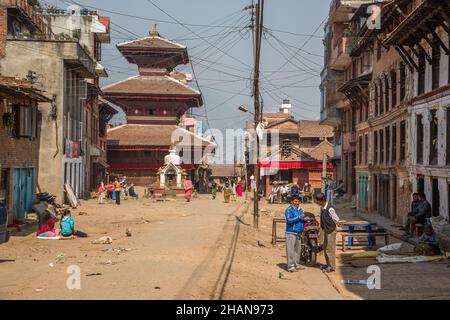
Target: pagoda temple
155, 103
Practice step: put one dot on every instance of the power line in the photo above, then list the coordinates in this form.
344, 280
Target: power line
152, 19
304, 44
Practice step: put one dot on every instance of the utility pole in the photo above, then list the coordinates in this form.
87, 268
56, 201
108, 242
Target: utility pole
256, 95
324, 171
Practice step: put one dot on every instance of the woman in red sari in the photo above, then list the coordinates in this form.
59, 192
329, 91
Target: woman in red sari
239, 189
188, 188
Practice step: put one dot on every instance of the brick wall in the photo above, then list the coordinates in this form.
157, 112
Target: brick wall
15, 152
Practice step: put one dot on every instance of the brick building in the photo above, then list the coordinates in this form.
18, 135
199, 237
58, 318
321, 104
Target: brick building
299, 155
19, 140
396, 107
60, 65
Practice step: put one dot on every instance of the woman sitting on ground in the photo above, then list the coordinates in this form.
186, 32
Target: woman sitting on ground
67, 224
47, 225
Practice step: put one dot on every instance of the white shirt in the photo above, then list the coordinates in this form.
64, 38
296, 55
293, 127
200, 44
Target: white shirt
333, 214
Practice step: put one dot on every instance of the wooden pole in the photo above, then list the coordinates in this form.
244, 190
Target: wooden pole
256, 94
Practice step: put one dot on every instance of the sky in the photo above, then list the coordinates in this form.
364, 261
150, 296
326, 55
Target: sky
219, 42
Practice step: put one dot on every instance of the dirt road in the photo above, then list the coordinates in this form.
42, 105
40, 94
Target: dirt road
177, 251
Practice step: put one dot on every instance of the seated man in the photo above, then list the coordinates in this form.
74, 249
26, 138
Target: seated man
307, 193
295, 191
420, 213
132, 192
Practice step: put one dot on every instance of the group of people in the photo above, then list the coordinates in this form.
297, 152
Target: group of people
295, 221
116, 190
281, 193
232, 189
47, 222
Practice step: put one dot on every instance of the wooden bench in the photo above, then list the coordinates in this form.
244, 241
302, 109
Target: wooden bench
275, 238
361, 235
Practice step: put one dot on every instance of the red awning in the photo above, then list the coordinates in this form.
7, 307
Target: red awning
295, 165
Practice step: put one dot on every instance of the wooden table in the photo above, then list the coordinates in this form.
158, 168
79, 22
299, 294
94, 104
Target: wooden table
359, 224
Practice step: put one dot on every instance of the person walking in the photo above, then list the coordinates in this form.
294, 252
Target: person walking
295, 219
213, 189
239, 189
233, 190
330, 190
329, 221
101, 193
188, 188
227, 192
117, 190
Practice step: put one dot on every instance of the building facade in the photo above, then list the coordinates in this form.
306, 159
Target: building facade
20, 142
59, 65
397, 87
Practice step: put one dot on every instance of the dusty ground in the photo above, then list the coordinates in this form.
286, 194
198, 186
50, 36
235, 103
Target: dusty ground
172, 247
202, 250
256, 270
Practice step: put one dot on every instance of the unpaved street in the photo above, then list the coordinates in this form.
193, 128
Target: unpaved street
176, 248
200, 250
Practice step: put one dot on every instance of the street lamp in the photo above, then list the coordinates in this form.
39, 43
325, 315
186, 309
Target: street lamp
244, 109
256, 171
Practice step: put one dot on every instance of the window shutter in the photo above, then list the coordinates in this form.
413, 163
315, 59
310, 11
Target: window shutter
16, 128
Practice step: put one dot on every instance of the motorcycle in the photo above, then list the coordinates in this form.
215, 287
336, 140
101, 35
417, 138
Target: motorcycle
310, 243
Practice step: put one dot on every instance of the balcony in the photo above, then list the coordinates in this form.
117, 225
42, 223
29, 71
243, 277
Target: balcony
69, 50
76, 56
330, 116
341, 10
340, 56
29, 13
100, 25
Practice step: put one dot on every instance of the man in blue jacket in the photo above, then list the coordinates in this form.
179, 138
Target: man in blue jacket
295, 219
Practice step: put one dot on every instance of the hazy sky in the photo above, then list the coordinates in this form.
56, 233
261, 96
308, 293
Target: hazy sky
222, 54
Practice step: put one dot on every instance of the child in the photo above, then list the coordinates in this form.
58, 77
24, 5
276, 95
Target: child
67, 224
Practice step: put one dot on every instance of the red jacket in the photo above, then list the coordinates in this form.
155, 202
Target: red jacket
48, 228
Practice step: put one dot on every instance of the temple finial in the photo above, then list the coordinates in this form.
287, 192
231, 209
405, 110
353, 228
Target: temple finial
154, 32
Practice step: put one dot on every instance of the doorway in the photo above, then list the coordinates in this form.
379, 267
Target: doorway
23, 192
435, 197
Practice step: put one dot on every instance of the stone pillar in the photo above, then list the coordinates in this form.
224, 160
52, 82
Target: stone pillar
178, 179
162, 179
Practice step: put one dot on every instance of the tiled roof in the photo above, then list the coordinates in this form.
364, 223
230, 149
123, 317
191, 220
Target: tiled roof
150, 135
318, 151
21, 88
275, 116
150, 85
151, 42
308, 129
223, 171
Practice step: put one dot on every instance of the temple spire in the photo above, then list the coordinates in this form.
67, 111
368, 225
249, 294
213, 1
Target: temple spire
155, 32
